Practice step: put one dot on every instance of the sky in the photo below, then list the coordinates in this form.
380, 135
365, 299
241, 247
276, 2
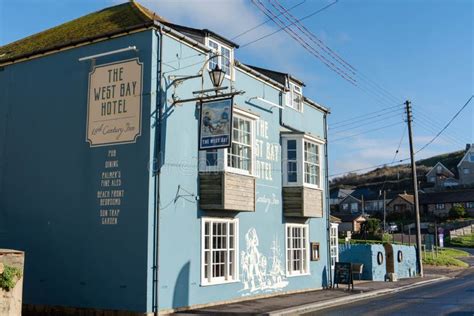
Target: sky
417, 50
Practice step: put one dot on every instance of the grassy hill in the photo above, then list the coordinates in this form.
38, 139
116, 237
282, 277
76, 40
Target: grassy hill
397, 178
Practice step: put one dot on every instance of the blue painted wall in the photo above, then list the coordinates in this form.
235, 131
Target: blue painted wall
50, 176
367, 255
180, 222
407, 267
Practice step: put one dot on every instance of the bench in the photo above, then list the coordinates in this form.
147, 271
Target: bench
357, 268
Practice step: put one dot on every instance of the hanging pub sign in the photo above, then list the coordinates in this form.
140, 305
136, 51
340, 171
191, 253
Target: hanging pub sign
215, 128
114, 108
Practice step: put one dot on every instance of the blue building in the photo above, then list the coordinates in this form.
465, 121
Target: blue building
104, 187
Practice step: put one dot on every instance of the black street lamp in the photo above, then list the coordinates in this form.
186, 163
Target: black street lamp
217, 76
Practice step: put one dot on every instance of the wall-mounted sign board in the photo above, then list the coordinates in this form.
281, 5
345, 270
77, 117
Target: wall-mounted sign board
215, 128
114, 108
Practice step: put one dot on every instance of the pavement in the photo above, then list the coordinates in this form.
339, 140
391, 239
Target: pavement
313, 301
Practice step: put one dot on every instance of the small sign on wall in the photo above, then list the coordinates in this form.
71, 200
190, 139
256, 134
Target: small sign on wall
215, 128
314, 251
114, 108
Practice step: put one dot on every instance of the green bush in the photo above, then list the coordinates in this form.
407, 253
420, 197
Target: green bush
457, 211
9, 277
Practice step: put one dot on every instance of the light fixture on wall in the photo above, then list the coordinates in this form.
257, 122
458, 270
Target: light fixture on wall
217, 76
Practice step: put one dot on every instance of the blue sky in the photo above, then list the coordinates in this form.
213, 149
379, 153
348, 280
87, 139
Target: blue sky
417, 50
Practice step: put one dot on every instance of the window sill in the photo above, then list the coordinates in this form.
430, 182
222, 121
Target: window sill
297, 275
219, 283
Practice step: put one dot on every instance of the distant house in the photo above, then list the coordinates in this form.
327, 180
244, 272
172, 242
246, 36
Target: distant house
337, 195
401, 203
466, 166
350, 222
364, 200
441, 177
439, 203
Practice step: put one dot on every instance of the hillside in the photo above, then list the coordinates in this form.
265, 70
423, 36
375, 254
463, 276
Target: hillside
397, 178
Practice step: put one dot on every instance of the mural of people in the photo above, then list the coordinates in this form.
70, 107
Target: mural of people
255, 276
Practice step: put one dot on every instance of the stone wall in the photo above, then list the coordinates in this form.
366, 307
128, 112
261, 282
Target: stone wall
10, 301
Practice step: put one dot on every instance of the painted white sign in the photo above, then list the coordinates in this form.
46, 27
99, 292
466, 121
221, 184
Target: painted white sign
114, 108
258, 273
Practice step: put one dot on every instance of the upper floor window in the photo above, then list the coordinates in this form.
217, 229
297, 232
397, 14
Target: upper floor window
240, 156
466, 171
354, 207
469, 204
301, 161
471, 157
294, 97
223, 58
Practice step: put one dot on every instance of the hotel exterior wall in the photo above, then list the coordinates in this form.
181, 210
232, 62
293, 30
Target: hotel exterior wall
50, 176
180, 221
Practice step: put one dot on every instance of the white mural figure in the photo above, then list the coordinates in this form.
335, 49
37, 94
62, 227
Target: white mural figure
255, 277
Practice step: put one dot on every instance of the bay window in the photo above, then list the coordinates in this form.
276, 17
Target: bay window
301, 160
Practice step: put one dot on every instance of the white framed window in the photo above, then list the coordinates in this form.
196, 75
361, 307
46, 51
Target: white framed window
432, 179
240, 157
334, 244
470, 205
345, 207
471, 158
219, 250
297, 249
294, 97
440, 206
301, 161
466, 171
224, 57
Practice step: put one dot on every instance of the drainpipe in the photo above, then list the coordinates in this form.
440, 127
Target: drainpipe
328, 213
156, 167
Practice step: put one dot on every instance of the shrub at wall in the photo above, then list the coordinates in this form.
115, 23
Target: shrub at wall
9, 277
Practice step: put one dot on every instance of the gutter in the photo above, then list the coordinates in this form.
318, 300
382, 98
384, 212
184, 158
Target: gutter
157, 174
259, 75
328, 211
316, 105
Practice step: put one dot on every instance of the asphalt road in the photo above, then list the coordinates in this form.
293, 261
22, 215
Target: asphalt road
452, 297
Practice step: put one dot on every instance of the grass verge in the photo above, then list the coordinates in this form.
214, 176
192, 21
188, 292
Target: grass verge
466, 241
446, 257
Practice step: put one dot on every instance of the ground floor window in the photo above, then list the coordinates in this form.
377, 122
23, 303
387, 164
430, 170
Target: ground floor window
334, 244
219, 250
297, 253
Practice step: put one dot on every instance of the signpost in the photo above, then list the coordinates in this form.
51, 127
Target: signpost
215, 128
343, 274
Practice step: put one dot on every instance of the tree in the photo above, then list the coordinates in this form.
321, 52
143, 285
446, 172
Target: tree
457, 211
371, 226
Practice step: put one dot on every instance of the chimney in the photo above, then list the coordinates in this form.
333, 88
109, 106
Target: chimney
468, 146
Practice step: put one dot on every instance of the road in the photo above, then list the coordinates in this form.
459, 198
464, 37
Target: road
452, 297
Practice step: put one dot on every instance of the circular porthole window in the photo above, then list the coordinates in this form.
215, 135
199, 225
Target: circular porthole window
379, 257
400, 256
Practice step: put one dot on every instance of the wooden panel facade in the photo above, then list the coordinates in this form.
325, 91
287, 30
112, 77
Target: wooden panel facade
302, 202
227, 191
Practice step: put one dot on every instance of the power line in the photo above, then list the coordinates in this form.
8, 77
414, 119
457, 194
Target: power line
281, 28
369, 113
382, 116
264, 22
446, 126
365, 132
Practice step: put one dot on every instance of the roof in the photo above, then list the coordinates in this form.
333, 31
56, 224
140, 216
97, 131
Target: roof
107, 22
200, 35
406, 197
469, 148
457, 196
445, 171
334, 219
348, 217
340, 193
276, 75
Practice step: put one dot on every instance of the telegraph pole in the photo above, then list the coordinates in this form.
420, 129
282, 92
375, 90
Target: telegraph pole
415, 189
